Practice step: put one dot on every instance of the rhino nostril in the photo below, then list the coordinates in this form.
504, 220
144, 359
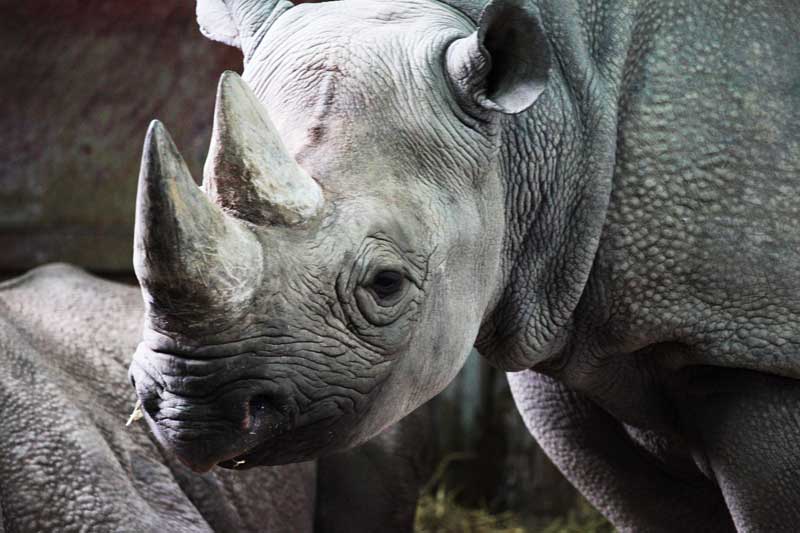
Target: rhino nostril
258, 404
258, 407
150, 406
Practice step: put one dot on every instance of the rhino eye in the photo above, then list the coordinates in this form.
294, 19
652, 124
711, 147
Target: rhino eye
387, 283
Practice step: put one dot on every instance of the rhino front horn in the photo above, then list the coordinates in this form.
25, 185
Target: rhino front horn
188, 254
249, 171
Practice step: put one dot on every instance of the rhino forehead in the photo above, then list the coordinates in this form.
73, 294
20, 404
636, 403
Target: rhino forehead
352, 82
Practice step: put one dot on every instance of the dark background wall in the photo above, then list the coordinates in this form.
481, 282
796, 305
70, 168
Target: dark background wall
79, 82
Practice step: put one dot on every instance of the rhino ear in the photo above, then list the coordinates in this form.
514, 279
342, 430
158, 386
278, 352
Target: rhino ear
238, 23
504, 65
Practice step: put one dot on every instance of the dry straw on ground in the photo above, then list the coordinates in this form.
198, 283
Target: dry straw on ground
439, 512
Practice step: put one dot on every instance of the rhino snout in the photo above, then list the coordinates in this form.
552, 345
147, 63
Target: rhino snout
222, 425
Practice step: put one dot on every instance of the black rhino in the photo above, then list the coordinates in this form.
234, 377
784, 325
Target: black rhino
598, 194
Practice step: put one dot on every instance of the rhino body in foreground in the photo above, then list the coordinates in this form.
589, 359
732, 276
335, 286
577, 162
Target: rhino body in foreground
69, 463
598, 194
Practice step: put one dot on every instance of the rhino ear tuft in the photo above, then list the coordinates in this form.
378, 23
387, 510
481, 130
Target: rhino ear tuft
504, 65
239, 23
216, 22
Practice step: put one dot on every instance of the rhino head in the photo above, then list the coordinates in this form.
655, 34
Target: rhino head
334, 269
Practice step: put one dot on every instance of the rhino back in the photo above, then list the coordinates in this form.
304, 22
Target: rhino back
700, 244
67, 461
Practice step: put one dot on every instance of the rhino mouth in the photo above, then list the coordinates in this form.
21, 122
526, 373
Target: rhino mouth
287, 447
249, 459
202, 444
206, 412
255, 455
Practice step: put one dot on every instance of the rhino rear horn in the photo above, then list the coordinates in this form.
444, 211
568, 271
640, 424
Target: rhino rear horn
249, 171
188, 254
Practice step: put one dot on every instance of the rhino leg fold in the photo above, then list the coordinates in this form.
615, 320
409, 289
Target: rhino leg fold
614, 472
745, 423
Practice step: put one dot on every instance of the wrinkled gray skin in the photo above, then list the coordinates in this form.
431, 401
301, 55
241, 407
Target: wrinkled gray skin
600, 195
68, 463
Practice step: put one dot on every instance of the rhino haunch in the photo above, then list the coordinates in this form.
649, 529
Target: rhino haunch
593, 192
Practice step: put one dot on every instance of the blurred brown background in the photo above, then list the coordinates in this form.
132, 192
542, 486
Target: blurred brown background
79, 81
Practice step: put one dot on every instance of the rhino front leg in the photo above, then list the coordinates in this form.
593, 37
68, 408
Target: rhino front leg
608, 467
375, 487
747, 425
